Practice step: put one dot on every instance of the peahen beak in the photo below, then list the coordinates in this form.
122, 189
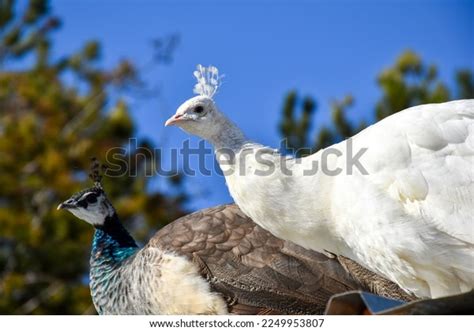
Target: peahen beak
68, 204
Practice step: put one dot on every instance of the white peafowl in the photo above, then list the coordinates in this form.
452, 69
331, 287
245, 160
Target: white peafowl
397, 197
214, 261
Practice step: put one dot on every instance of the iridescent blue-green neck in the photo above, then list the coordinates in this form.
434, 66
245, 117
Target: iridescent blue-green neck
112, 243
112, 248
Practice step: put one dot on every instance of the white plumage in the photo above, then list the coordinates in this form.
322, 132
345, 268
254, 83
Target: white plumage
410, 218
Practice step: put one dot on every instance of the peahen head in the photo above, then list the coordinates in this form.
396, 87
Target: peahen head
90, 205
111, 239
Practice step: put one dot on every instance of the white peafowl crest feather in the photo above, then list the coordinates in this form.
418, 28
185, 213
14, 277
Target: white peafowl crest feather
208, 80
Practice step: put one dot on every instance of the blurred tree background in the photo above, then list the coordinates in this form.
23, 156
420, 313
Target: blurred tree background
49, 130
409, 82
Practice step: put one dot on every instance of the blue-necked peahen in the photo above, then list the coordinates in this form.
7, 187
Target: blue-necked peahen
215, 261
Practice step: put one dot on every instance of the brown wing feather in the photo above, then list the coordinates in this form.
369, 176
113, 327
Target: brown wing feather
255, 272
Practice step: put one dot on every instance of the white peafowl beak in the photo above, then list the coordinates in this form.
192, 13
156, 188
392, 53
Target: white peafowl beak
176, 118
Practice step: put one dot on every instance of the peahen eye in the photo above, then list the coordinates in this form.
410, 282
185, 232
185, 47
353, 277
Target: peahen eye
91, 198
198, 109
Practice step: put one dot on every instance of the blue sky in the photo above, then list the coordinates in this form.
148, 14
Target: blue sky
325, 49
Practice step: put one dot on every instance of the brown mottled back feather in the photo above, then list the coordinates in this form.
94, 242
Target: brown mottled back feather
256, 272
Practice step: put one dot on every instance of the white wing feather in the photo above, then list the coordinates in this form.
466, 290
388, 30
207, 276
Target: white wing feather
425, 155
417, 198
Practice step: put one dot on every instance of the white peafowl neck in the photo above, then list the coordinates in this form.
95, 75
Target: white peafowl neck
264, 195
227, 136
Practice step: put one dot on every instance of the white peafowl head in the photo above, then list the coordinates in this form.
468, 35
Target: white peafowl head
199, 115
